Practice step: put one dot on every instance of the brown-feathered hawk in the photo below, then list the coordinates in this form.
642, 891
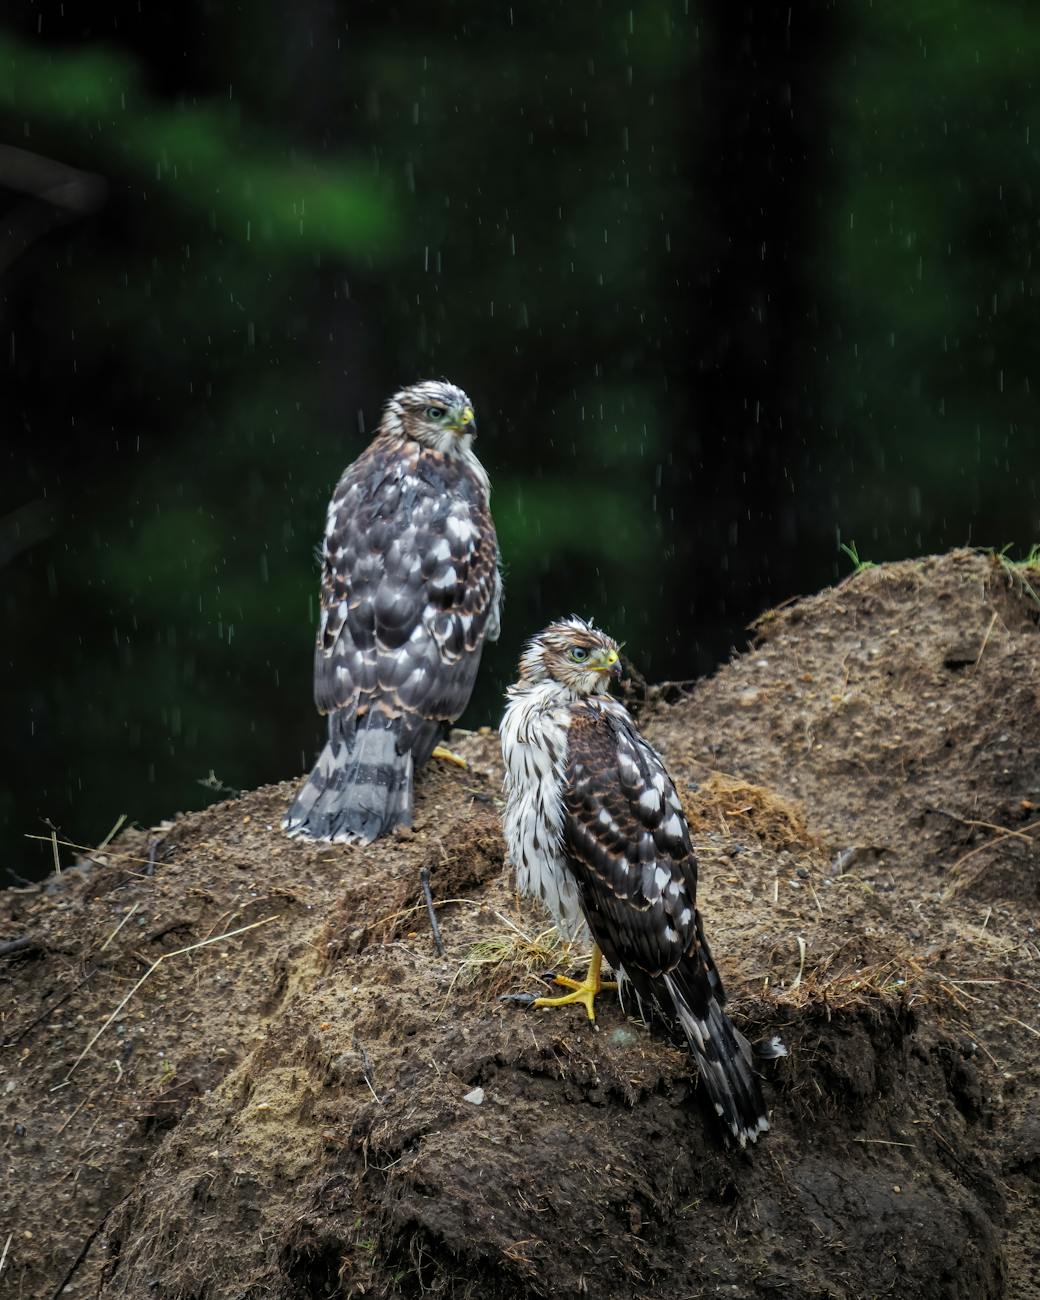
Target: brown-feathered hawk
595, 828
410, 591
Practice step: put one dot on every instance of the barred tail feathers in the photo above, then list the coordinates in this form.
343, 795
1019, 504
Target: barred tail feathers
724, 1062
360, 787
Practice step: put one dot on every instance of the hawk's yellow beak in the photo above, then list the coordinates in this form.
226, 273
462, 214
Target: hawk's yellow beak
608, 663
466, 422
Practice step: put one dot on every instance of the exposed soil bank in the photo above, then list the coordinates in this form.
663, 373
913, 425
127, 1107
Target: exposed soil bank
291, 1112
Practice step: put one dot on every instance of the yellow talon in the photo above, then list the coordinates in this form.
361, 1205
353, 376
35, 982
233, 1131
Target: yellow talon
584, 991
449, 757
568, 983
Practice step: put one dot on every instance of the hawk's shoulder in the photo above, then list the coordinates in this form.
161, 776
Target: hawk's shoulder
614, 764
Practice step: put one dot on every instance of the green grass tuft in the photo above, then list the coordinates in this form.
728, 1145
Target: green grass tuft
858, 565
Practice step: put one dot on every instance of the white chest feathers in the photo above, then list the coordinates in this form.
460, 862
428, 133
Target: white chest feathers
534, 747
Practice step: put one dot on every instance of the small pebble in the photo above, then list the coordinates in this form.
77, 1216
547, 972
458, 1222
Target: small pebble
475, 1098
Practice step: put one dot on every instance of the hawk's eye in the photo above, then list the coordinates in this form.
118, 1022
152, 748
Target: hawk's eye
578, 654
436, 412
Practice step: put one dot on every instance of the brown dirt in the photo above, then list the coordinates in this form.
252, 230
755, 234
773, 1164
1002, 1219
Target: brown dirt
283, 1113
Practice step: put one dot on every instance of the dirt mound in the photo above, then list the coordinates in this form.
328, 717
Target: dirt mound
316, 1104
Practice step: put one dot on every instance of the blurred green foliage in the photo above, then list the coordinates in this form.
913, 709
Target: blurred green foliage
204, 157
932, 237
726, 285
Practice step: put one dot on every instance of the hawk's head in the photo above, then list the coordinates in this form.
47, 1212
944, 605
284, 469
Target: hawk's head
572, 653
435, 414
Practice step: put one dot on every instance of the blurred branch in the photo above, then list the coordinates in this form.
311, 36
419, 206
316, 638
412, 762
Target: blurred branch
29, 524
57, 194
66, 187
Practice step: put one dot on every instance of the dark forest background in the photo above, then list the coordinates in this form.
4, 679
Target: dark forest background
729, 284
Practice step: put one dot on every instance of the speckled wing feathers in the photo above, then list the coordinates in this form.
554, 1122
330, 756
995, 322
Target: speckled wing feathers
409, 591
630, 848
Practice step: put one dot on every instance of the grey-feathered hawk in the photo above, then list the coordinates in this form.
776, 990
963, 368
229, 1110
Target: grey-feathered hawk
410, 591
595, 828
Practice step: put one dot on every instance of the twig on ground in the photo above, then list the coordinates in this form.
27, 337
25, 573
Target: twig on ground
153, 849
424, 881
85, 1248
394, 917
26, 944
10, 1042
72, 1114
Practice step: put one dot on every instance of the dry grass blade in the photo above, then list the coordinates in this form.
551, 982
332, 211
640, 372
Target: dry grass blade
179, 952
884, 1142
985, 642
393, 917
114, 831
801, 964
838, 987
123, 922
85, 849
1002, 831
1000, 1015
961, 880
499, 960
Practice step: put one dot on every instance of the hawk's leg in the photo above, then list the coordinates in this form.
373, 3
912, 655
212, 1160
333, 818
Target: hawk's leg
449, 757
584, 991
